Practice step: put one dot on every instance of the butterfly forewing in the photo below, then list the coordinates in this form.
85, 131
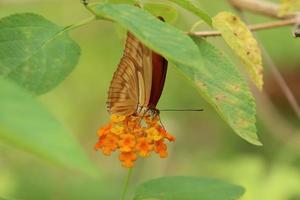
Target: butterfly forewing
131, 83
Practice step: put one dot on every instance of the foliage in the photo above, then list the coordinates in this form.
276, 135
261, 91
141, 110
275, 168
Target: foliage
168, 12
187, 4
189, 188
157, 35
35, 52
221, 85
25, 124
240, 39
178, 48
36, 55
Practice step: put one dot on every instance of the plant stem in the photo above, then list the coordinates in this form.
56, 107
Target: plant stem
255, 27
281, 82
125, 188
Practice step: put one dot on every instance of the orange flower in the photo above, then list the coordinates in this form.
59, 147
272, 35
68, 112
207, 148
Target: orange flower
117, 129
104, 130
133, 135
161, 149
127, 143
144, 147
166, 135
133, 122
117, 118
154, 134
127, 159
107, 143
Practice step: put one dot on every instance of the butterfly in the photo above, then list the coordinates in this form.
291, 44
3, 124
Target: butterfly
138, 82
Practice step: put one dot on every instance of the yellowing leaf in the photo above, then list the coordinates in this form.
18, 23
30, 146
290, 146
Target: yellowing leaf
221, 85
288, 7
240, 39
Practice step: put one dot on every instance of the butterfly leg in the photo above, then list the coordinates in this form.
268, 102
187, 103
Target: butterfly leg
154, 113
143, 115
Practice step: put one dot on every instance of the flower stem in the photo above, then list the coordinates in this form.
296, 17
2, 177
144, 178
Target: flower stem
255, 27
125, 188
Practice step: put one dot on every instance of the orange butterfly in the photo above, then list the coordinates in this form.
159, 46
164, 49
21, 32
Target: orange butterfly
139, 80
133, 94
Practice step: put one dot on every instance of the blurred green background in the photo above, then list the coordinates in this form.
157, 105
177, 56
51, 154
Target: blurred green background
205, 145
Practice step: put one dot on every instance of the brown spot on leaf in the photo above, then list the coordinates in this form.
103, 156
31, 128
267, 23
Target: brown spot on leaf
236, 88
220, 97
201, 85
260, 72
243, 123
240, 39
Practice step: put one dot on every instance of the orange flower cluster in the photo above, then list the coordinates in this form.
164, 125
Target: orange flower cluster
133, 136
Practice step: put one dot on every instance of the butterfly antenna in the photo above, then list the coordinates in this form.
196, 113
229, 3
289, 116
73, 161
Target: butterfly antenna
181, 110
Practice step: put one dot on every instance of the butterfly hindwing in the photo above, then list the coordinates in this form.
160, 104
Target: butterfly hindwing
159, 71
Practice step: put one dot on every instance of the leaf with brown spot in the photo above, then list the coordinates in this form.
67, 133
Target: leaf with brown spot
240, 39
220, 84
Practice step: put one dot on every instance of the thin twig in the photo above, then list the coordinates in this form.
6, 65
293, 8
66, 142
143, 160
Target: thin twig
281, 82
255, 27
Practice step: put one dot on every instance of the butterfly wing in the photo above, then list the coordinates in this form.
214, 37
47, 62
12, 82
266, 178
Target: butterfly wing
159, 71
131, 83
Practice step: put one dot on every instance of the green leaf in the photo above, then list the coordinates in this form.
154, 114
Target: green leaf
187, 188
223, 87
35, 53
121, 1
238, 36
169, 13
26, 124
188, 5
157, 35
288, 7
